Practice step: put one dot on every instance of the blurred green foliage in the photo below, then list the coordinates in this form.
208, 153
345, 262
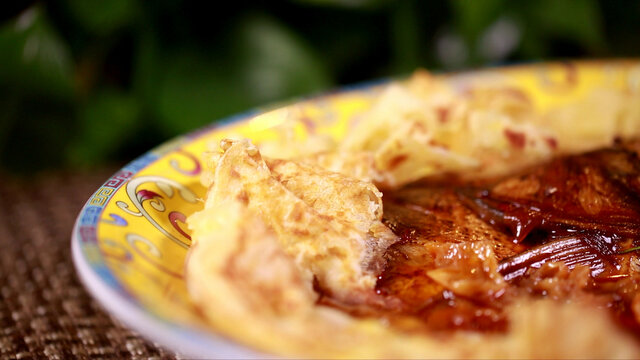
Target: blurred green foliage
87, 82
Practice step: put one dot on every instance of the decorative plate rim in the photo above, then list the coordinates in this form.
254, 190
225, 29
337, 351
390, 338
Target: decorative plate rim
112, 296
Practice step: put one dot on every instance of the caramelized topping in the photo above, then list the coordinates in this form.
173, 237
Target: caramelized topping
566, 230
579, 210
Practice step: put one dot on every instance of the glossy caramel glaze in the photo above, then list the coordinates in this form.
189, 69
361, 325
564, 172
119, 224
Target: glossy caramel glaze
565, 230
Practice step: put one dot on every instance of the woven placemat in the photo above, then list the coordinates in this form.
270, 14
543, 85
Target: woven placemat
44, 310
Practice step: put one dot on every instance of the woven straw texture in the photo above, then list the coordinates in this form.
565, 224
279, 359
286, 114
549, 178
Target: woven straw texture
45, 312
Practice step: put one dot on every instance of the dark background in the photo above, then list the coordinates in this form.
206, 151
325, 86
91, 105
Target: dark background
88, 83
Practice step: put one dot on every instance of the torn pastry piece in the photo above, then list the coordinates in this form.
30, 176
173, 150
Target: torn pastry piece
480, 131
329, 222
238, 272
481, 128
251, 289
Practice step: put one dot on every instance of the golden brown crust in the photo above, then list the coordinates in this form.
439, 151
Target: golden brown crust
328, 222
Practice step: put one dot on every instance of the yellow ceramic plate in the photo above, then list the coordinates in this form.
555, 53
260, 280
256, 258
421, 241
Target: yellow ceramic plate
130, 239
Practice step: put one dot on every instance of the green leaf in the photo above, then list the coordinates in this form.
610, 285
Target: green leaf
104, 16
351, 4
34, 58
147, 67
195, 90
577, 20
275, 63
406, 40
106, 121
266, 63
472, 17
